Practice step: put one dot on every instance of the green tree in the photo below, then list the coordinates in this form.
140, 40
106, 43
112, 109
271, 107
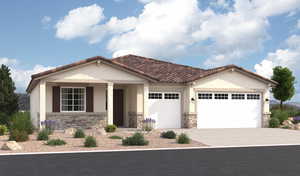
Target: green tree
285, 89
8, 98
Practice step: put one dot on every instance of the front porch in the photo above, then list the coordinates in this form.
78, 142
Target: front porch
89, 104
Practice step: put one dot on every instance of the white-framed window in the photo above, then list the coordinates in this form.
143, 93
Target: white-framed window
171, 95
204, 95
73, 99
253, 96
221, 96
155, 96
237, 96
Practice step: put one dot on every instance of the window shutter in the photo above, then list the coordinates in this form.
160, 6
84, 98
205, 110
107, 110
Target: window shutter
89, 99
56, 99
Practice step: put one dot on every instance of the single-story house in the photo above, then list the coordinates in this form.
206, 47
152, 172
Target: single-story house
127, 89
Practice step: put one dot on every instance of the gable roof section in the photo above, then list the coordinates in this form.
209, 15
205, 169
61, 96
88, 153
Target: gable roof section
150, 69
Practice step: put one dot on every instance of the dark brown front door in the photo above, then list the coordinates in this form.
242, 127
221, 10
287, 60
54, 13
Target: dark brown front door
118, 107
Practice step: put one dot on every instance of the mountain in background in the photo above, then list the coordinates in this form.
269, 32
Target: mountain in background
24, 102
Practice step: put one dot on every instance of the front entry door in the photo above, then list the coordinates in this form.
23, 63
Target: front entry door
118, 107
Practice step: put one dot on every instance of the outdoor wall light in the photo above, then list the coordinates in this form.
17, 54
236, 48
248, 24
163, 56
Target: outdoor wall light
267, 99
193, 99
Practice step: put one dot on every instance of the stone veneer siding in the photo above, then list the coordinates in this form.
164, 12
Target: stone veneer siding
190, 120
266, 118
85, 120
135, 120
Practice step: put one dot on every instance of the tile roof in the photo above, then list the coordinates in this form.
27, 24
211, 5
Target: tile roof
151, 69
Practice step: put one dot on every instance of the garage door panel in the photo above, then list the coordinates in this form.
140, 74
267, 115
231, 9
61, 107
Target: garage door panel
166, 110
235, 112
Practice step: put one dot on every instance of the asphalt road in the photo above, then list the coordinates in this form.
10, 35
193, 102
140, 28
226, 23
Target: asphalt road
264, 161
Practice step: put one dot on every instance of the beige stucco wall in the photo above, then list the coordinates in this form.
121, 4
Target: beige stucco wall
35, 104
95, 72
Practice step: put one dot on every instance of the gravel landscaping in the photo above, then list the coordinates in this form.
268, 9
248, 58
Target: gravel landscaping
104, 142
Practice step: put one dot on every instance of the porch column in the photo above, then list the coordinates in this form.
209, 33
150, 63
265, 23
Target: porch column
146, 92
42, 102
110, 106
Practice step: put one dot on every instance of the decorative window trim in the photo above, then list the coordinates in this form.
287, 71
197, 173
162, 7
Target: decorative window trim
61, 99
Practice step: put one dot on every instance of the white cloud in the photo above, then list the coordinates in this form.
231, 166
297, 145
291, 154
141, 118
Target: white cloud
288, 57
167, 28
46, 20
298, 24
7, 61
79, 22
20, 76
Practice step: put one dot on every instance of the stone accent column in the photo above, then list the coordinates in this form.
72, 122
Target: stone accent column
190, 120
140, 106
265, 120
42, 114
110, 105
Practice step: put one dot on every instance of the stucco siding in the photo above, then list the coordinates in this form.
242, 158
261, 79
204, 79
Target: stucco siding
95, 72
35, 105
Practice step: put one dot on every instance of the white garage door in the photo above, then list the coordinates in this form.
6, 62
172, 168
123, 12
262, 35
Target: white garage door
165, 108
229, 110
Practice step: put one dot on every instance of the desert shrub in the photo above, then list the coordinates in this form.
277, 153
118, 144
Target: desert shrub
110, 128
183, 139
17, 135
79, 133
90, 141
43, 135
274, 123
168, 135
148, 124
296, 119
56, 142
21, 121
115, 137
280, 115
3, 130
135, 139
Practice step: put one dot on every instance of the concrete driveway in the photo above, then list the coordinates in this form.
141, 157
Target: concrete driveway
244, 136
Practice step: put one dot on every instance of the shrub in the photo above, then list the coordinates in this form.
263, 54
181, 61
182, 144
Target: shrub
90, 141
115, 137
274, 123
183, 139
110, 128
43, 135
280, 115
56, 142
21, 121
168, 135
3, 130
17, 135
136, 139
79, 133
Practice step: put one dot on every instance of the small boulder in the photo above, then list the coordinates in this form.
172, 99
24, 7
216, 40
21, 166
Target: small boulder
11, 145
288, 123
291, 118
70, 131
297, 126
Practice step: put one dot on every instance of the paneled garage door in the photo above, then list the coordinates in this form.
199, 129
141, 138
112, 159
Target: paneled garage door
229, 110
165, 108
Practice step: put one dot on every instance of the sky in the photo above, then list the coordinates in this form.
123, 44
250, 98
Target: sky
256, 34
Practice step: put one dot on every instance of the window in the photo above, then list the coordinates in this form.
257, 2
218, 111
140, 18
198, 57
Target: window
237, 96
73, 99
221, 96
171, 96
155, 95
253, 96
204, 96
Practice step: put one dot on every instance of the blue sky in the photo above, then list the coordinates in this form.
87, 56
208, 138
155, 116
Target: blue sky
257, 34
